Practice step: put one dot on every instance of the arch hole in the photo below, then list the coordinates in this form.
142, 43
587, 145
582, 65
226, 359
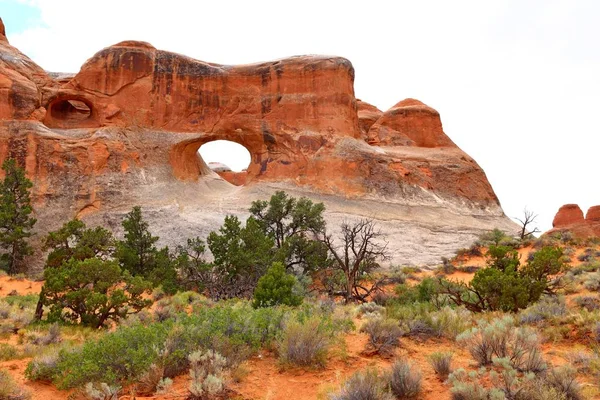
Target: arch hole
70, 110
228, 159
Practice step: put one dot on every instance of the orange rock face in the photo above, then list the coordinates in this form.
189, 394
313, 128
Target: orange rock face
367, 116
567, 215
409, 123
593, 214
126, 130
570, 218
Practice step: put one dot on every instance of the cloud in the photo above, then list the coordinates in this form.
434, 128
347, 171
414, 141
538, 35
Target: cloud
516, 82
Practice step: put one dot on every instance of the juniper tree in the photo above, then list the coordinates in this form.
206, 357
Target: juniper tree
16, 221
293, 224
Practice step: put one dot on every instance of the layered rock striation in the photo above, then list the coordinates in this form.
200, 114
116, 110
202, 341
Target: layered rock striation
126, 129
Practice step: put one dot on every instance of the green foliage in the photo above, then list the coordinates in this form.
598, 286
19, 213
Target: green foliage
43, 367
190, 263
505, 284
276, 287
546, 263
16, 221
138, 251
92, 292
231, 328
75, 240
424, 292
241, 257
292, 223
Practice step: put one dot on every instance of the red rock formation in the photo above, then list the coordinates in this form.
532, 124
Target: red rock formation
409, 123
367, 116
567, 215
127, 127
570, 218
235, 178
593, 214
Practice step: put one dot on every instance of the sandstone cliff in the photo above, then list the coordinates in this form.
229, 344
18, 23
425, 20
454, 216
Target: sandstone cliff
126, 129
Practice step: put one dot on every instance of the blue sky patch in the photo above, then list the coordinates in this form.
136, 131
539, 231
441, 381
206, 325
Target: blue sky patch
18, 16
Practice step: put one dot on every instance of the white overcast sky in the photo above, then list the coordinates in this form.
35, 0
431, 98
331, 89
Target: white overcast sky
517, 82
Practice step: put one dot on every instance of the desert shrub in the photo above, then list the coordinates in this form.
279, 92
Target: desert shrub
370, 309
466, 386
276, 287
8, 352
305, 343
592, 281
446, 268
52, 336
422, 320
384, 335
381, 298
424, 292
206, 374
441, 364
596, 332
547, 308
580, 360
43, 367
501, 339
507, 379
9, 389
469, 269
450, 322
589, 303
101, 391
367, 385
405, 380
562, 379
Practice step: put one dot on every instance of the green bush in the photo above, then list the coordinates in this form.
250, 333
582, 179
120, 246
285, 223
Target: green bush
234, 329
506, 285
276, 287
92, 292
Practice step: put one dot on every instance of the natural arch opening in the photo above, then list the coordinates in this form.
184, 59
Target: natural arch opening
228, 159
70, 110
